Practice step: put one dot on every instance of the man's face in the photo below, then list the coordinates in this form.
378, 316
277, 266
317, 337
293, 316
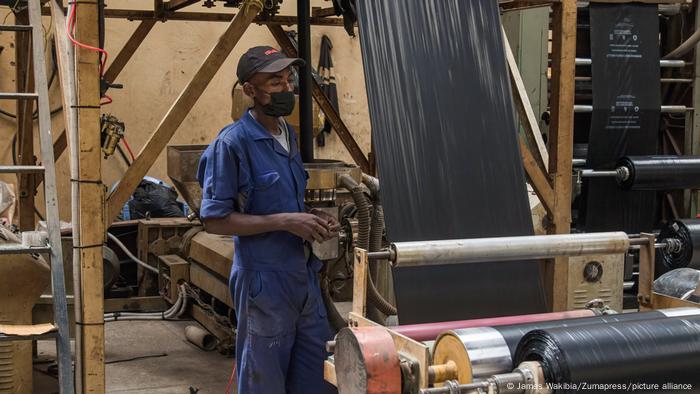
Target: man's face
261, 85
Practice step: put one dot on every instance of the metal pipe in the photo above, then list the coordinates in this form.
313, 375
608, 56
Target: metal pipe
578, 162
667, 109
662, 63
598, 174
662, 80
305, 111
531, 247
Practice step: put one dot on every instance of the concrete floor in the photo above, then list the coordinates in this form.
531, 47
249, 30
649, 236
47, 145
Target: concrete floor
184, 369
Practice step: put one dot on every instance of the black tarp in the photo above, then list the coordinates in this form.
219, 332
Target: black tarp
444, 130
626, 104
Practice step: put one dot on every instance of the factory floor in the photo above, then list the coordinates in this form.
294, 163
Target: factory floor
150, 357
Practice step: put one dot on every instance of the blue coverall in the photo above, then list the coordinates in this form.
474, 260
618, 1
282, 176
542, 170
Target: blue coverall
281, 320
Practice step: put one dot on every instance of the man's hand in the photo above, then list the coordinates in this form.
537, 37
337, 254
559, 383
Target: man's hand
308, 226
333, 224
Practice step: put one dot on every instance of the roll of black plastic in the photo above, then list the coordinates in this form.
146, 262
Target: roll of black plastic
639, 356
626, 107
491, 350
661, 172
679, 283
446, 142
687, 231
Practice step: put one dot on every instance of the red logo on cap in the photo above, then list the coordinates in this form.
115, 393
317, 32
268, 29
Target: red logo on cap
271, 51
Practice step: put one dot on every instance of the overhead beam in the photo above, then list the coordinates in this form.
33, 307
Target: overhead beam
126, 53
180, 108
134, 15
324, 103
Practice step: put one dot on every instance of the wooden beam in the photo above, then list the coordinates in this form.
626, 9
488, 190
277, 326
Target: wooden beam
561, 140
325, 104
322, 12
179, 110
128, 50
284, 20
25, 124
524, 107
537, 177
91, 227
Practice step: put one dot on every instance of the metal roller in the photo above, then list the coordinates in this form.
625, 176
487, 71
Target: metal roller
659, 172
484, 351
408, 254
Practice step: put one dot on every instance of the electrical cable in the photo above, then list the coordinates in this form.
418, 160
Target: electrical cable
128, 148
131, 255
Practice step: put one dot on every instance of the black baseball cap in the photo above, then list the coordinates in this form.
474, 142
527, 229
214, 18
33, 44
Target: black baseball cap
263, 59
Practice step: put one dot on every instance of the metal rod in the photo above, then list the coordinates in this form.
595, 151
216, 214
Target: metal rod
578, 162
383, 255
662, 80
662, 63
664, 108
598, 174
22, 169
305, 110
507, 248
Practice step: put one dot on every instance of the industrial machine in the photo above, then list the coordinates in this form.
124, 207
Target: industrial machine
485, 355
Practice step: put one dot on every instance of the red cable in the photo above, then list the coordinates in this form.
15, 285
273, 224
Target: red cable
128, 148
230, 379
71, 31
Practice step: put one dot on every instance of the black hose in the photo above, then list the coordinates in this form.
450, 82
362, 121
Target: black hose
363, 238
334, 317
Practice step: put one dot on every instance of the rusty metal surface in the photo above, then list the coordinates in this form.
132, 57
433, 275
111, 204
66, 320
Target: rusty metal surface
366, 361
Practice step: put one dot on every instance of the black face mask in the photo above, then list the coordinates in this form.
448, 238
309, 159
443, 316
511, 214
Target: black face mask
281, 104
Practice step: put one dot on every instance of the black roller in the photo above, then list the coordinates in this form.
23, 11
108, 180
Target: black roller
651, 352
514, 333
687, 231
661, 172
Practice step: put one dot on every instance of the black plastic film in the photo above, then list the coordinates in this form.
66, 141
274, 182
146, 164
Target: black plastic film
650, 353
679, 283
661, 172
444, 130
687, 232
626, 106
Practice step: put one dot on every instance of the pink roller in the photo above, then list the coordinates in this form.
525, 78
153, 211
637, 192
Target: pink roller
430, 331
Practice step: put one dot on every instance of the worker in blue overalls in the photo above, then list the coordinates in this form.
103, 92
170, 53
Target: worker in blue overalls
253, 184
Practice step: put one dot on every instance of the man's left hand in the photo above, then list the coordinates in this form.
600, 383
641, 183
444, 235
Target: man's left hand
333, 224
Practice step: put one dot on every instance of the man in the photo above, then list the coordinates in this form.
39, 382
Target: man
253, 184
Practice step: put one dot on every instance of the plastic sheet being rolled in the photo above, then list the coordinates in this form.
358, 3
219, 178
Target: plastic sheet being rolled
679, 283
610, 357
661, 172
445, 136
626, 106
687, 231
486, 351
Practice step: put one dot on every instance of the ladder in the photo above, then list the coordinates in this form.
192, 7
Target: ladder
51, 245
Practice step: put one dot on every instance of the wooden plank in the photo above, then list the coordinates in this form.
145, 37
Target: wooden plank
359, 284
179, 110
647, 255
90, 316
329, 373
281, 20
662, 301
561, 141
331, 114
128, 50
527, 116
322, 12
24, 82
537, 177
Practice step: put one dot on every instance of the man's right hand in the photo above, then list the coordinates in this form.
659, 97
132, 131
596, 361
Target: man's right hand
307, 226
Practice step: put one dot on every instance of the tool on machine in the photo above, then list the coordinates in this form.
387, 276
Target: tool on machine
112, 130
